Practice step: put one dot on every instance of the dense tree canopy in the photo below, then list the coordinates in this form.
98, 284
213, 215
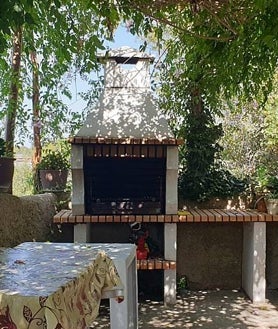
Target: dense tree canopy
210, 51
235, 40
65, 38
226, 46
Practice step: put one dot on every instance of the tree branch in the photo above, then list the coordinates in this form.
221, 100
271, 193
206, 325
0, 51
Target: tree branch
168, 22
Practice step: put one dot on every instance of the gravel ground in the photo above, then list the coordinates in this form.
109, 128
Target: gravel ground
216, 309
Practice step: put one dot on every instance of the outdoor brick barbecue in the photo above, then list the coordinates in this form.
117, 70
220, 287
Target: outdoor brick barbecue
120, 155
125, 158
125, 169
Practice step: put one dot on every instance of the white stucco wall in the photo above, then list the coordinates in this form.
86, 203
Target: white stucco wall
127, 107
253, 260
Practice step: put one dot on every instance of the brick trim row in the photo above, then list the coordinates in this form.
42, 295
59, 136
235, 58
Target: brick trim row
191, 216
66, 216
134, 141
155, 264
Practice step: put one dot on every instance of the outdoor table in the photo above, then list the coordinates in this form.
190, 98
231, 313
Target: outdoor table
60, 285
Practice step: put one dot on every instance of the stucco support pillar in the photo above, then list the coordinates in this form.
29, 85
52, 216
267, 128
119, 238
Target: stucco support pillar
170, 245
170, 229
78, 190
81, 233
254, 260
171, 202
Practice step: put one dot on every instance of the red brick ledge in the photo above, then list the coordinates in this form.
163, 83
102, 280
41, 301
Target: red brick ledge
133, 141
155, 264
223, 215
66, 216
191, 216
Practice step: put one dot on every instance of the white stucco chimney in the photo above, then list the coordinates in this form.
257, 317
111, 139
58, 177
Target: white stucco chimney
126, 108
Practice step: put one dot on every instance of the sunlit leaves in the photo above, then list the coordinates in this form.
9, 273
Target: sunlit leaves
64, 34
226, 47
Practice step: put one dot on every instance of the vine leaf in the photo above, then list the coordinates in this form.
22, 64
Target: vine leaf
27, 313
42, 300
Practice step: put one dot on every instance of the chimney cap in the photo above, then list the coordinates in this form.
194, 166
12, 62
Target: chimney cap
125, 55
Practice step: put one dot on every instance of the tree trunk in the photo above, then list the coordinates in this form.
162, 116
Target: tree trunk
36, 111
14, 91
36, 121
197, 102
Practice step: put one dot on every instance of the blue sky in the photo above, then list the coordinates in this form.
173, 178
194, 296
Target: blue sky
124, 38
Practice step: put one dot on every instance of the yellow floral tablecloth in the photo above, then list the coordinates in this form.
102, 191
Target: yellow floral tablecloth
52, 285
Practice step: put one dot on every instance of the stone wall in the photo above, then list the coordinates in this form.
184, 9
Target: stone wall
210, 255
272, 255
216, 203
27, 218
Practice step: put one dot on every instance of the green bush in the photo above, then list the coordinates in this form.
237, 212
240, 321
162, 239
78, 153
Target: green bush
216, 183
202, 176
54, 160
23, 180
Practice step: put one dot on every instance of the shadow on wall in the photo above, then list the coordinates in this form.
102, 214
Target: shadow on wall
27, 218
210, 255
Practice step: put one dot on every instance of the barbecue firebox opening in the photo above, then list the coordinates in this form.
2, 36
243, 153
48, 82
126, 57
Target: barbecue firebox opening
124, 185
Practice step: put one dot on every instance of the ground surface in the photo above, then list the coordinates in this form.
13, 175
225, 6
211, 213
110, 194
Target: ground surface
206, 310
